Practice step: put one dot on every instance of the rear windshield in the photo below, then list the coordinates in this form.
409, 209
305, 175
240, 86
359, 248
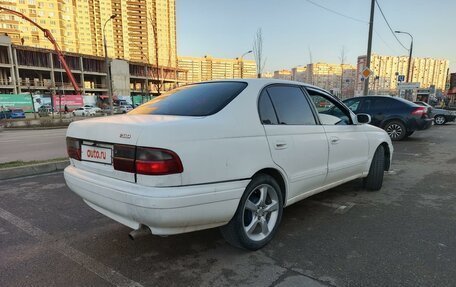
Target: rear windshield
193, 100
17, 111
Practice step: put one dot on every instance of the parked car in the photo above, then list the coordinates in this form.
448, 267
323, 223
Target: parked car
223, 153
124, 108
17, 114
5, 114
44, 111
440, 116
398, 117
83, 112
93, 108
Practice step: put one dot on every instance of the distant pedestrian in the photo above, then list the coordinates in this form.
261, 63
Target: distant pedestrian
66, 109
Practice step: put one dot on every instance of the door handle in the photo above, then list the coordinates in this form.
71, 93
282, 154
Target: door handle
334, 140
280, 145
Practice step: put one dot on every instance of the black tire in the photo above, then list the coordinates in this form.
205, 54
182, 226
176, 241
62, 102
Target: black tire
374, 179
235, 231
396, 130
439, 120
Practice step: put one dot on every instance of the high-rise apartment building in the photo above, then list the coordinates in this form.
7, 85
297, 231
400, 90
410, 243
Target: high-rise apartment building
209, 68
283, 75
299, 74
386, 69
332, 77
142, 31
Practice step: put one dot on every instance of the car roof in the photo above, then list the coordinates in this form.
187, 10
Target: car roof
385, 97
264, 81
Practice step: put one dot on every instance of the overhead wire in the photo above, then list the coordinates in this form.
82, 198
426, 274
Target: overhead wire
384, 42
337, 13
389, 26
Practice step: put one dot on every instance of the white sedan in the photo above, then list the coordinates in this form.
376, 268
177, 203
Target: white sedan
229, 154
84, 112
93, 108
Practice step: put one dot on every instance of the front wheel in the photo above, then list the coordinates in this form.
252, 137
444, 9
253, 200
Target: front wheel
439, 120
374, 179
258, 215
396, 130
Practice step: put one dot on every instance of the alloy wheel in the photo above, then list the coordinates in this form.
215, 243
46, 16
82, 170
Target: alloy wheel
394, 131
260, 212
440, 120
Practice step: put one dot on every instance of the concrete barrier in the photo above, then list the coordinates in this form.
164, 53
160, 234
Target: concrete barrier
35, 169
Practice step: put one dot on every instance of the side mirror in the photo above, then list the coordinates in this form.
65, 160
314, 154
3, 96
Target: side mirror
363, 118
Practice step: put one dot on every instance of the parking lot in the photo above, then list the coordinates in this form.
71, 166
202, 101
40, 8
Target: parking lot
403, 235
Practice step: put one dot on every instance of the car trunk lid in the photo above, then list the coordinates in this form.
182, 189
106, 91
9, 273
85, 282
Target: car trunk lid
98, 137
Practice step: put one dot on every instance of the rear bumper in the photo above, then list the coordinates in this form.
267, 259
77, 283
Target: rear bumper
165, 211
450, 118
421, 124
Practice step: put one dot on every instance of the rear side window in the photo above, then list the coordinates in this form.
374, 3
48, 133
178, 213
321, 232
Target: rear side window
398, 104
266, 110
291, 105
380, 104
193, 100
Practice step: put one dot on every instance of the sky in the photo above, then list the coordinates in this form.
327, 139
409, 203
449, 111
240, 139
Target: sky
226, 29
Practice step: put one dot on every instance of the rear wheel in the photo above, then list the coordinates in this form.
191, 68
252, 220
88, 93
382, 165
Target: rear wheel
258, 215
439, 120
396, 130
374, 179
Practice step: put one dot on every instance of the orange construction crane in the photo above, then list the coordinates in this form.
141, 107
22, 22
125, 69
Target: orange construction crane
51, 38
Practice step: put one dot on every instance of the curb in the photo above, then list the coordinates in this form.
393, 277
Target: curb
35, 169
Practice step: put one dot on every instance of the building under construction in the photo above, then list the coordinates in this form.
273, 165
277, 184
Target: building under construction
36, 70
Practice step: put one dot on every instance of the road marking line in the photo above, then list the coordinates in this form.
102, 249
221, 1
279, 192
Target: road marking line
339, 208
408, 153
80, 258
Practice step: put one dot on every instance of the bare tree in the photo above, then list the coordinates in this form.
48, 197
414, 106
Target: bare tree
258, 52
160, 73
342, 59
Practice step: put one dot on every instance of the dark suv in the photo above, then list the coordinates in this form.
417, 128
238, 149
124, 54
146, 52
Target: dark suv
398, 117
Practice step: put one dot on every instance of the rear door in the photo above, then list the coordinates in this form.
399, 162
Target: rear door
297, 144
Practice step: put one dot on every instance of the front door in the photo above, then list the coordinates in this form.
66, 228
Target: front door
348, 143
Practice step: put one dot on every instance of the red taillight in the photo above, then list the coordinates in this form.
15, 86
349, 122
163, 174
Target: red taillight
73, 148
124, 158
420, 111
155, 161
148, 161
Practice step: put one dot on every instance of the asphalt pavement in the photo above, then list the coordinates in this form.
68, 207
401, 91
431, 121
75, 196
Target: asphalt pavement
402, 235
28, 145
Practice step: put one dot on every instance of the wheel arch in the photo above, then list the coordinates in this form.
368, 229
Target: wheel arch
387, 152
391, 119
279, 177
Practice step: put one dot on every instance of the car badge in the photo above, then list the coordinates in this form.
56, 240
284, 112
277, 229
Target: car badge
125, 136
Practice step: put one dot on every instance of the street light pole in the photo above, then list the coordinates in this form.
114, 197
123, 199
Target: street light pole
108, 70
242, 62
409, 67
